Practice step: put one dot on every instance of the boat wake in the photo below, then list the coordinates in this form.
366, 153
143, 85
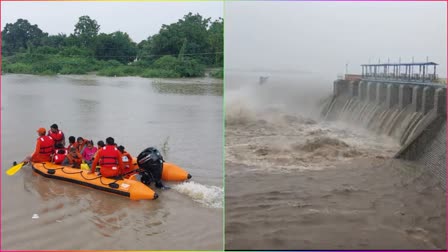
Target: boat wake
210, 196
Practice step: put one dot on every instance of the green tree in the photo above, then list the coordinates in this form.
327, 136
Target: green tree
115, 46
21, 36
56, 41
216, 40
86, 30
171, 38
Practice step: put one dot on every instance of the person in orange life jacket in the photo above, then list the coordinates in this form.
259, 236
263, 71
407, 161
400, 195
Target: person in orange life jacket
110, 160
100, 144
59, 154
57, 135
71, 142
127, 159
44, 148
73, 158
81, 144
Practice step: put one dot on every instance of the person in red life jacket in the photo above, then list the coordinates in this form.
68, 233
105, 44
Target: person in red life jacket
127, 159
59, 154
73, 158
71, 142
110, 160
81, 144
57, 135
44, 148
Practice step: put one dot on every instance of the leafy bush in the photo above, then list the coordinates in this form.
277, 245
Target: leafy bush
183, 67
165, 62
46, 50
17, 68
159, 73
218, 74
74, 51
121, 71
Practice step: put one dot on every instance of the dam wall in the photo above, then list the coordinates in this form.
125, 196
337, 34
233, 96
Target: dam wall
414, 114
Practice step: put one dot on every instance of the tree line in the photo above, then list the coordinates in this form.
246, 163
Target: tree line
181, 49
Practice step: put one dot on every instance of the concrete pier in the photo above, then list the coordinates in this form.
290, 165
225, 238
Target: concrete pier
381, 93
417, 96
391, 95
371, 91
427, 99
404, 95
440, 101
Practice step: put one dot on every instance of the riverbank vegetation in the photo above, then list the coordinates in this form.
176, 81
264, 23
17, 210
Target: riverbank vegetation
182, 49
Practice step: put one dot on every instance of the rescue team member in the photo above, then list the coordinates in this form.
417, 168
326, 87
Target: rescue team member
110, 160
100, 145
73, 158
81, 144
59, 154
44, 148
127, 159
71, 142
57, 135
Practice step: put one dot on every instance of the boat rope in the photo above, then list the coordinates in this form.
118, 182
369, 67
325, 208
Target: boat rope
82, 175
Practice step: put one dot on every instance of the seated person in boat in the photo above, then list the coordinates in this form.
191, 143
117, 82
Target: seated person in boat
73, 158
127, 159
81, 144
110, 160
44, 148
89, 153
59, 154
71, 142
57, 135
100, 145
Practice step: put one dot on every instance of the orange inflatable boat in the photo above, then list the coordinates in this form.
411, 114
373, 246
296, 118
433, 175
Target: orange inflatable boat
128, 187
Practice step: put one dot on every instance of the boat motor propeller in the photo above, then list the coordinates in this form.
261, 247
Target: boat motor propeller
150, 162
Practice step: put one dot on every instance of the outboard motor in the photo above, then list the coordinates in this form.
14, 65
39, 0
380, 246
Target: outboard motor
150, 162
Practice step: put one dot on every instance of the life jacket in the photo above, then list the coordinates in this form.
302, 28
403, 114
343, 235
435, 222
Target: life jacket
57, 137
81, 147
59, 158
109, 157
46, 145
127, 161
74, 160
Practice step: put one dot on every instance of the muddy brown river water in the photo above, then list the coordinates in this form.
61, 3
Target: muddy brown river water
294, 181
182, 116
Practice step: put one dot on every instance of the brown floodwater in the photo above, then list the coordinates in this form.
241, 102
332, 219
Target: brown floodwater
294, 181
181, 117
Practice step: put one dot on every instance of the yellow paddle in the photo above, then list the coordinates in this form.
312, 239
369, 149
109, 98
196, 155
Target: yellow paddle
13, 170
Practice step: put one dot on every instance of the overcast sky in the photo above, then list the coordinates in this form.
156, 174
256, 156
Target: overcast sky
138, 19
324, 36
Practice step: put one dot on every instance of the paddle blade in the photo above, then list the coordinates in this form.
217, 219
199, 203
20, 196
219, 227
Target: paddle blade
13, 170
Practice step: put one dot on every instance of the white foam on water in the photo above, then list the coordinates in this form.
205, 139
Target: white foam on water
210, 196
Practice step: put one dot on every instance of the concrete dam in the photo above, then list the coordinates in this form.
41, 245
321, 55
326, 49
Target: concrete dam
409, 108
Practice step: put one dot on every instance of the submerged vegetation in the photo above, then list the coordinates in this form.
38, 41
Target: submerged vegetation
182, 49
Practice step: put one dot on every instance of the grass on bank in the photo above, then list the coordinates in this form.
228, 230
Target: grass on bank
52, 64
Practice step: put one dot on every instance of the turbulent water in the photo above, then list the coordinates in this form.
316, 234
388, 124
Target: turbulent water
297, 181
183, 118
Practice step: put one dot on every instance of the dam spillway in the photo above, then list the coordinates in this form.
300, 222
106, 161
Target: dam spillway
412, 113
